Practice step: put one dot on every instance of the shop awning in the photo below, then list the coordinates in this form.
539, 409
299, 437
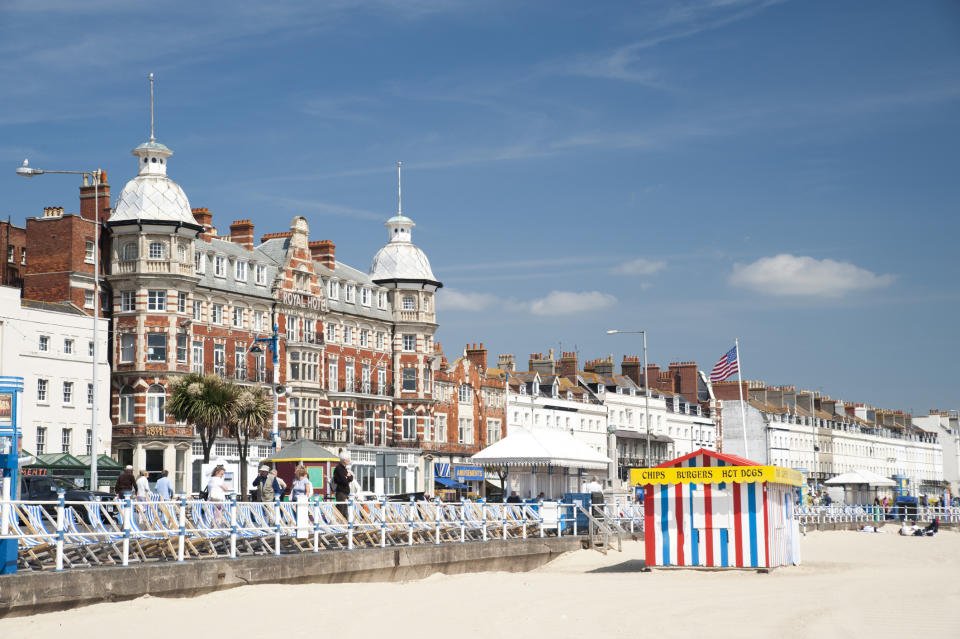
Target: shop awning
623, 433
449, 483
540, 447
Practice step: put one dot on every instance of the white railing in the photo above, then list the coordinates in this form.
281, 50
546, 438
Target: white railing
869, 513
60, 534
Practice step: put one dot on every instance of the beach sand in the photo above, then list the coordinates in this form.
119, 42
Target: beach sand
851, 584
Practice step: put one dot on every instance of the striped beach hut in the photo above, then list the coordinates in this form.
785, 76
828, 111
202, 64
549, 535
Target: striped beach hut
708, 509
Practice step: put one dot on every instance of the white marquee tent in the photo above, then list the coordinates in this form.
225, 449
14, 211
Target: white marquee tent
542, 460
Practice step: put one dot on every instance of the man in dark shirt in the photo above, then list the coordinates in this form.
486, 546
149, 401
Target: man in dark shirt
341, 483
126, 483
513, 498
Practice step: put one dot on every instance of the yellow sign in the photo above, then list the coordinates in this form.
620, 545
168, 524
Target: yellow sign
715, 475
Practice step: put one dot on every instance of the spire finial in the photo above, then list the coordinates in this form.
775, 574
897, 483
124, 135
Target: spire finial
152, 138
399, 191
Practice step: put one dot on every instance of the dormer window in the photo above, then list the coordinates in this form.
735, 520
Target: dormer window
555, 391
240, 271
599, 389
333, 289
570, 395
350, 293
199, 263
536, 388
220, 266
523, 390
158, 251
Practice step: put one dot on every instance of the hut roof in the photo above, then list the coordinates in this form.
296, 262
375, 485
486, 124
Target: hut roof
302, 450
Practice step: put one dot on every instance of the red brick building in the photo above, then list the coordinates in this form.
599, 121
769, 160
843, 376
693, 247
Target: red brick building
354, 348
469, 414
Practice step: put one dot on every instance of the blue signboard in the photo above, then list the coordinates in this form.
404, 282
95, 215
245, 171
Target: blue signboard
468, 473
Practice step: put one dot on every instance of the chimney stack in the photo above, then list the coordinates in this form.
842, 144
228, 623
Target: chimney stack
205, 219
90, 208
632, 367
506, 362
568, 365
478, 356
323, 251
545, 365
241, 232
53, 211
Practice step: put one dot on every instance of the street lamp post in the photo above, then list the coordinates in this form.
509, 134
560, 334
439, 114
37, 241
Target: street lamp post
271, 343
26, 171
646, 387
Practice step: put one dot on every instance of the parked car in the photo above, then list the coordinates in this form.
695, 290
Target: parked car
44, 488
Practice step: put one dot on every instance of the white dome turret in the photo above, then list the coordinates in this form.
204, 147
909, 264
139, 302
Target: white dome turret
152, 196
400, 259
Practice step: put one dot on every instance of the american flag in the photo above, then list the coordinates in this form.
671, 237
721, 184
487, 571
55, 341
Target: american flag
727, 366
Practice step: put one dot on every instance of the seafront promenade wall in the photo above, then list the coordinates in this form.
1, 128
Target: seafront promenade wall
33, 592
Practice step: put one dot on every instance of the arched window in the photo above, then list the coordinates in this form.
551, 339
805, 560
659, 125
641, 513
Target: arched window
129, 251
158, 251
156, 404
126, 405
409, 424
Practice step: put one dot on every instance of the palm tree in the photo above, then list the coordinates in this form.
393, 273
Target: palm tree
206, 401
249, 413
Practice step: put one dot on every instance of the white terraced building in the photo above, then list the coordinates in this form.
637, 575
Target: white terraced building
832, 439
50, 345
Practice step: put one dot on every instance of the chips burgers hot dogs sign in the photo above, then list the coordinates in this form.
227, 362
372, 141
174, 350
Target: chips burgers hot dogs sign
715, 475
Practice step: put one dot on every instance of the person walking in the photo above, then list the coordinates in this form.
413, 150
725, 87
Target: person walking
266, 486
341, 482
126, 483
164, 488
302, 487
143, 486
215, 489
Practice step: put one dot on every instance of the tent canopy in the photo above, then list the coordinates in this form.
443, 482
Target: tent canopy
300, 451
540, 447
860, 477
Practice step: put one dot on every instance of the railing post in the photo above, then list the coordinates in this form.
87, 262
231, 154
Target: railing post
60, 507
410, 522
316, 523
540, 515
383, 521
503, 519
276, 525
483, 516
436, 520
576, 516
182, 522
463, 525
127, 514
523, 515
233, 525
350, 523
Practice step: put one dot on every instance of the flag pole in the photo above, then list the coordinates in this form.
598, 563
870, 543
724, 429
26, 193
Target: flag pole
743, 410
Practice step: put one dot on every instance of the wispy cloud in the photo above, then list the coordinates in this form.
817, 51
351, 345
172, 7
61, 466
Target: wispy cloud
802, 276
639, 266
450, 299
539, 262
553, 303
570, 302
323, 208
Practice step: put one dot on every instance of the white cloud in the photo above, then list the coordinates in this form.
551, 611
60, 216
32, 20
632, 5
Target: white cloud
453, 300
569, 302
797, 276
639, 266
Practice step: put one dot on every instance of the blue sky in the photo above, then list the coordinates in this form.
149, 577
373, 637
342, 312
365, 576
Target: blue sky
781, 172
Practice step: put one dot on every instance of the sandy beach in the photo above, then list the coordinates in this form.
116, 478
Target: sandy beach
850, 585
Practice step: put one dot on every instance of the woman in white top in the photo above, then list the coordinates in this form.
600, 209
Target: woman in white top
143, 486
301, 484
215, 491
